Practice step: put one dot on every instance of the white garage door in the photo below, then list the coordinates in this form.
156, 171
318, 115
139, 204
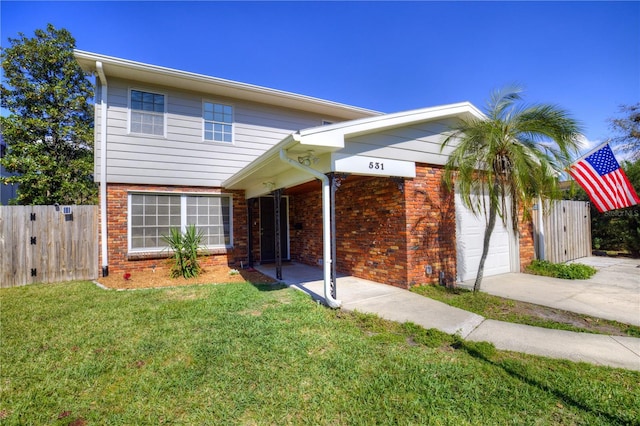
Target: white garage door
469, 238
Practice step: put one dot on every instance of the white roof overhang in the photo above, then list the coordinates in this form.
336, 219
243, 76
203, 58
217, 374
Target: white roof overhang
269, 172
167, 77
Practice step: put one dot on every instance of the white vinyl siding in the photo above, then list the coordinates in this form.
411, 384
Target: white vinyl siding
419, 143
218, 122
147, 112
182, 159
151, 216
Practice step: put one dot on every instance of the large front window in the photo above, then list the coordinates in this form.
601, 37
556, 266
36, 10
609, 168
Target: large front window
153, 215
147, 113
218, 122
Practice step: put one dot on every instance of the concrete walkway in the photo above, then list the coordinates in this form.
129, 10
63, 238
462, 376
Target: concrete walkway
612, 293
400, 305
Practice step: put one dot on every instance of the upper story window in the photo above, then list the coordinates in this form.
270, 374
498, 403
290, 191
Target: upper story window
218, 122
147, 113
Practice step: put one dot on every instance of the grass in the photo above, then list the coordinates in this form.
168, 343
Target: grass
498, 308
567, 271
242, 354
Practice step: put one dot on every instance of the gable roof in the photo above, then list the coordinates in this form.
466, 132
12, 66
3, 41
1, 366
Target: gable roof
331, 139
168, 77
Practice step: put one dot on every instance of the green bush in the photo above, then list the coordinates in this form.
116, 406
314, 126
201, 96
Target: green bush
572, 271
185, 251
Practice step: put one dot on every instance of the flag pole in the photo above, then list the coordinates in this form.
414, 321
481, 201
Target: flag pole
592, 151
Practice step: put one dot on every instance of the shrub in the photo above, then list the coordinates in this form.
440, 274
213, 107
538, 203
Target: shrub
185, 251
572, 271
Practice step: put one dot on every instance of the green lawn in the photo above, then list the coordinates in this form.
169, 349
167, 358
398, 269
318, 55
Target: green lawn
241, 354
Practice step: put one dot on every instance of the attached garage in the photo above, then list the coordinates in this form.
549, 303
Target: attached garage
469, 241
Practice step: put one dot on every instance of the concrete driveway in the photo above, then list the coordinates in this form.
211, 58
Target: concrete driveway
612, 293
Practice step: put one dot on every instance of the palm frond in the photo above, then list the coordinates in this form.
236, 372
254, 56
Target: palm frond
512, 156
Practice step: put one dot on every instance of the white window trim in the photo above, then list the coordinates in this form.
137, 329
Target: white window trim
183, 217
233, 121
164, 120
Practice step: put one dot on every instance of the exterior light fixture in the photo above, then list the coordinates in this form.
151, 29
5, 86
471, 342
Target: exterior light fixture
269, 185
306, 160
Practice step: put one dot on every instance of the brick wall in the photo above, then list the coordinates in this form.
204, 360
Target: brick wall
370, 237
119, 258
370, 227
527, 249
387, 230
431, 227
305, 217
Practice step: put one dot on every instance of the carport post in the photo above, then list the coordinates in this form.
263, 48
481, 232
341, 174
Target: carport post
277, 194
336, 180
250, 206
335, 183
326, 225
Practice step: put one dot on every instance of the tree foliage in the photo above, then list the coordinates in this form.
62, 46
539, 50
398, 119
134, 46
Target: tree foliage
627, 128
509, 157
49, 131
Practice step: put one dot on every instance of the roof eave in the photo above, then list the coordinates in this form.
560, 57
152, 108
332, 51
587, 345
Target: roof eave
126, 69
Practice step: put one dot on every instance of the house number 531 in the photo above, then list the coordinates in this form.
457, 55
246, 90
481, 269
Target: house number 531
376, 166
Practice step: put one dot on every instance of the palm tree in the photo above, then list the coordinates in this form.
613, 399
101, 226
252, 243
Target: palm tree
509, 157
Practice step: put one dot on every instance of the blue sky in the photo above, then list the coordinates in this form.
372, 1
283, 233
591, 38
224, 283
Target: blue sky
385, 56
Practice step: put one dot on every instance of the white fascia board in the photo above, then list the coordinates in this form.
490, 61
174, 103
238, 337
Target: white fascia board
334, 135
153, 74
334, 132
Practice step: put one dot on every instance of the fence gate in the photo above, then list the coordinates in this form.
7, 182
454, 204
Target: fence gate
566, 229
45, 244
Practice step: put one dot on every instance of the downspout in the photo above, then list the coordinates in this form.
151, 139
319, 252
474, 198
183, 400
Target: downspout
326, 226
103, 169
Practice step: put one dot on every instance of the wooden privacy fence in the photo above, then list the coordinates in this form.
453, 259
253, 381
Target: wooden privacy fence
44, 244
566, 231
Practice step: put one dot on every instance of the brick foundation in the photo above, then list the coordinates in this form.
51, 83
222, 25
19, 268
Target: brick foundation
121, 261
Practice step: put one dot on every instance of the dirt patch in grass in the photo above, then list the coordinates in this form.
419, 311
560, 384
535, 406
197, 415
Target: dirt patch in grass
584, 322
498, 308
161, 278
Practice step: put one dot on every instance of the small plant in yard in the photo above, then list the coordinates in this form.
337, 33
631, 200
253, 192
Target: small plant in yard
572, 271
126, 276
233, 272
185, 251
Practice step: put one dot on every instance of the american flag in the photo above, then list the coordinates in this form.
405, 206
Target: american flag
606, 183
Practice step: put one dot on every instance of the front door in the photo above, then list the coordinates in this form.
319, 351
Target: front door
268, 229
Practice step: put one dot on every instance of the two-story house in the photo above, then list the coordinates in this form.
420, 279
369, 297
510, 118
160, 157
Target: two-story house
269, 176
